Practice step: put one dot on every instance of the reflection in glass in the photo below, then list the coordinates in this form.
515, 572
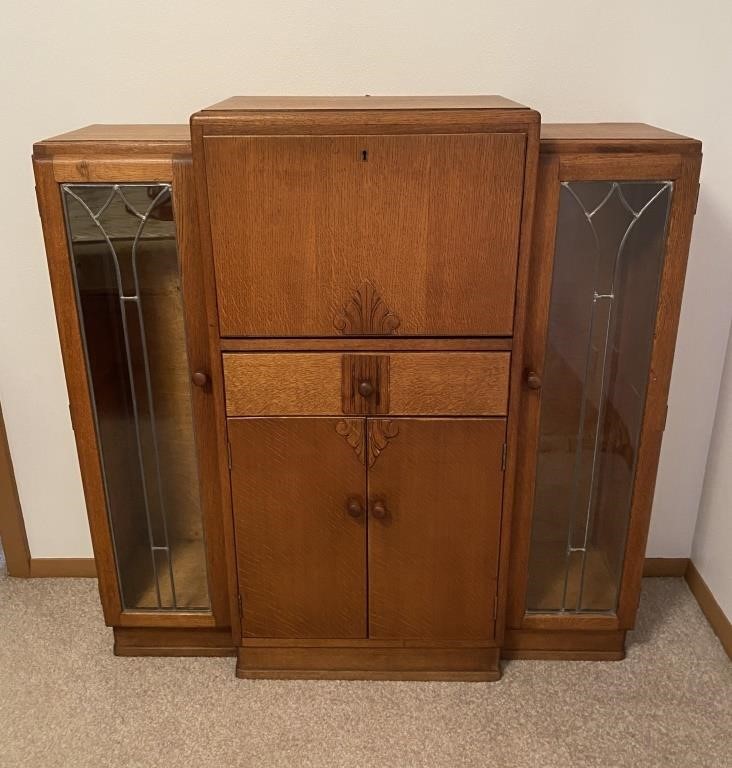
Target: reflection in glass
607, 266
125, 263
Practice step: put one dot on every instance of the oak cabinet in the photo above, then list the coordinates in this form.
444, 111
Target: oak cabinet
368, 387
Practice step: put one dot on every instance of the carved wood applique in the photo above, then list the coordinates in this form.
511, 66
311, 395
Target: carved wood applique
352, 430
380, 431
367, 447
366, 314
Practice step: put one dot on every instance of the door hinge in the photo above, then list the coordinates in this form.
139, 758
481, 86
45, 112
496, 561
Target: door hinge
228, 454
504, 453
241, 608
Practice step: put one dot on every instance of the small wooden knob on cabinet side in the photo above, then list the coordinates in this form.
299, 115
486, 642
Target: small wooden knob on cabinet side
533, 380
378, 510
200, 379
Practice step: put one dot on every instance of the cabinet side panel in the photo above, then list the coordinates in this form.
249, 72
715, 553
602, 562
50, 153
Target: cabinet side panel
62, 286
678, 239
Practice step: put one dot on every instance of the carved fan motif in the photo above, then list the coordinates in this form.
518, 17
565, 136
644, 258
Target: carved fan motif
366, 314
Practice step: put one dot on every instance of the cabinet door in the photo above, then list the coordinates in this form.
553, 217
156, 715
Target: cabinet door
143, 332
298, 488
588, 399
365, 235
435, 491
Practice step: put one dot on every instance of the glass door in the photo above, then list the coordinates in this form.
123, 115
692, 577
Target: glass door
608, 259
122, 241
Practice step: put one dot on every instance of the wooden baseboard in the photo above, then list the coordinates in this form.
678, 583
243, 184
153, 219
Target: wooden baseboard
665, 566
62, 567
710, 608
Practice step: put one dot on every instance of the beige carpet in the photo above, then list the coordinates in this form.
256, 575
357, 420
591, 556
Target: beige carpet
66, 701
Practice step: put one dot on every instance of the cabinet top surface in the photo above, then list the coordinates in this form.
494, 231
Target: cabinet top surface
174, 132
555, 137
304, 103
567, 137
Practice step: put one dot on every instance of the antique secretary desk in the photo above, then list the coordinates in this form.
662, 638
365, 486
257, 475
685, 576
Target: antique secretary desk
368, 387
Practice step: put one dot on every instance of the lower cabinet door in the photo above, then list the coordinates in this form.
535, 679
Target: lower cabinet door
434, 491
299, 496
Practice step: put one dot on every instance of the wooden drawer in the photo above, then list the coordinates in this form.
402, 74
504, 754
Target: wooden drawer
400, 383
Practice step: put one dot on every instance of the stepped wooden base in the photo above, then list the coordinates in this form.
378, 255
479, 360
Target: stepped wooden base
368, 662
567, 645
148, 641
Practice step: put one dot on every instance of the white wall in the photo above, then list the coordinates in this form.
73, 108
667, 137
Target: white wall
76, 62
713, 535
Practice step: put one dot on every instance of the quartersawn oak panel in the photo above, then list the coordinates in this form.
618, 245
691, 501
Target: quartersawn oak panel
301, 556
433, 559
419, 383
283, 384
302, 226
453, 383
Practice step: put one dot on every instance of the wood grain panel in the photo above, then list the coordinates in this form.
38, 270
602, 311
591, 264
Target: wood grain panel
300, 224
301, 555
456, 383
433, 556
112, 169
283, 384
410, 383
369, 663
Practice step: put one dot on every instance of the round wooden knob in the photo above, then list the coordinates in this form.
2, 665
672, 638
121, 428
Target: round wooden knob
354, 508
378, 510
365, 389
200, 379
533, 380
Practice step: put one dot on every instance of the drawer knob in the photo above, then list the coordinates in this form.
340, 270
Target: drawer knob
354, 508
533, 380
365, 388
379, 511
200, 379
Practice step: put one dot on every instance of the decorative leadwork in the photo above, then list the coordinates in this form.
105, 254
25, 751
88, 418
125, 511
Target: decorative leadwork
366, 314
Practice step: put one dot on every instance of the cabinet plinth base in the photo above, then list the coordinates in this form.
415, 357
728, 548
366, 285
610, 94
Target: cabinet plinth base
567, 645
368, 663
154, 641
